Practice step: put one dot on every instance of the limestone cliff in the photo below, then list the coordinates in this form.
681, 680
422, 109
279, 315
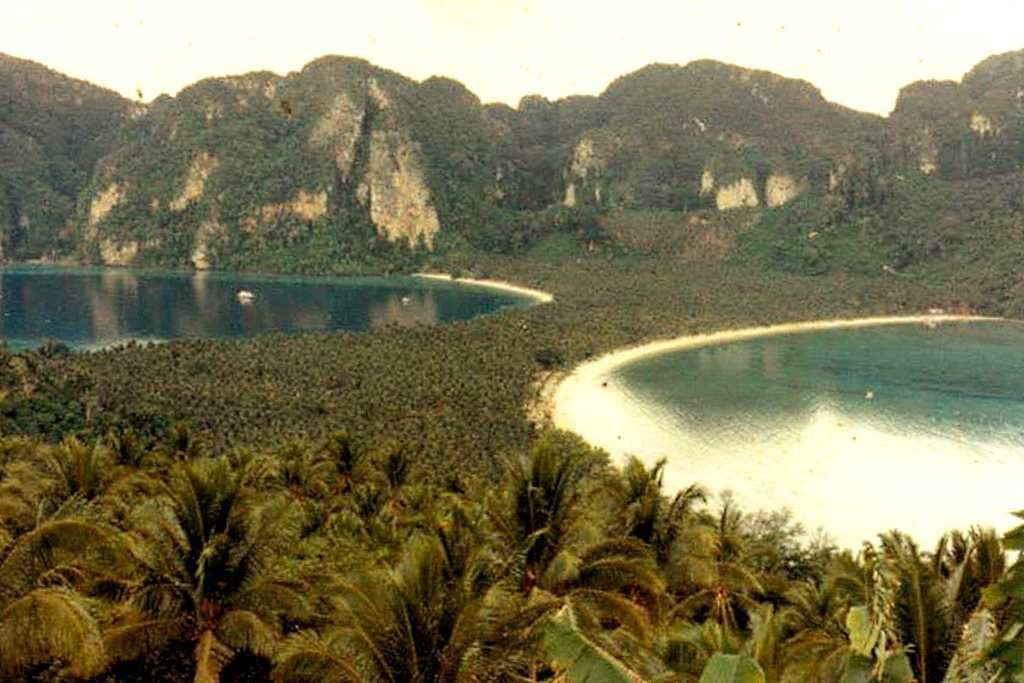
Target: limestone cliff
343, 163
709, 134
52, 131
737, 195
235, 167
195, 182
394, 187
338, 130
973, 128
781, 188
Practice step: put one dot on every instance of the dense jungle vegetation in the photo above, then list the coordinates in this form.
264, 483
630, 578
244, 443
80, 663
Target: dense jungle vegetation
380, 506
122, 560
383, 506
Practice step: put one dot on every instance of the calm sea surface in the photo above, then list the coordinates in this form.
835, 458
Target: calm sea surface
94, 307
858, 430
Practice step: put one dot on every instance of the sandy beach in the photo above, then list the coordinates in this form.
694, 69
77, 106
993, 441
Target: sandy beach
826, 472
535, 294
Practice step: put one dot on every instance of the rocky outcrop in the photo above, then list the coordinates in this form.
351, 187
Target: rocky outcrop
309, 206
737, 195
394, 187
968, 129
118, 254
707, 183
195, 182
103, 203
584, 168
781, 188
201, 246
338, 130
981, 124
395, 190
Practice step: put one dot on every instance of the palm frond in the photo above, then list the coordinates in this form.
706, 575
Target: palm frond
578, 657
245, 631
309, 658
50, 625
54, 544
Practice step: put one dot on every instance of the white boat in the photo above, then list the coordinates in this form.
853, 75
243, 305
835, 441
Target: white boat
245, 296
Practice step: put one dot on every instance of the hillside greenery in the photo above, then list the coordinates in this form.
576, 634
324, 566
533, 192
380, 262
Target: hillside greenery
53, 129
391, 506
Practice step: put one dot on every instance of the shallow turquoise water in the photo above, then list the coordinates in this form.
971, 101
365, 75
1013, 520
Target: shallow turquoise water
856, 431
96, 307
959, 381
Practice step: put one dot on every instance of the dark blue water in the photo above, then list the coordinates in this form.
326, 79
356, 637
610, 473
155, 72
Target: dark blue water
96, 307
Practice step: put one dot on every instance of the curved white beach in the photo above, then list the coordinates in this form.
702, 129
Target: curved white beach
853, 481
537, 295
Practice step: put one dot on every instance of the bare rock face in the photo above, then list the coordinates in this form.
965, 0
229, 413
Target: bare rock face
339, 130
103, 203
707, 183
781, 188
195, 182
112, 252
396, 192
201, 247
118, 254
309, 206
394, 187
584, 169
981, 124
738, 195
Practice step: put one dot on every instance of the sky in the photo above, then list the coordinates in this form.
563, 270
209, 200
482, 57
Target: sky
859, 53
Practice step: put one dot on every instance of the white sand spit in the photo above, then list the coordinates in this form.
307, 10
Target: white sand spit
535, 294
852, 480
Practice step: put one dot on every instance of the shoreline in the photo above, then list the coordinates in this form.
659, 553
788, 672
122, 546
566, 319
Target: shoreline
537, 295
765, 476
588, 372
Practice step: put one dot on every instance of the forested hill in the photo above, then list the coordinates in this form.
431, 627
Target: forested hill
52, 131
346, 167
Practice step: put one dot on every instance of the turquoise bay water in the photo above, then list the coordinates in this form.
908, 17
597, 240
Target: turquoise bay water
857, 430
96, 307
959, 381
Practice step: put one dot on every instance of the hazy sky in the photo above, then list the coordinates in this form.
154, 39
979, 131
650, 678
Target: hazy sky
859, 53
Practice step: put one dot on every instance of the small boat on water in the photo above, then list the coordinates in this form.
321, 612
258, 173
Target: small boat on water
245, 296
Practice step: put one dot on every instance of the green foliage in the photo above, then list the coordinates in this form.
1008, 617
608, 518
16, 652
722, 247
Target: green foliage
732, 669
580, 658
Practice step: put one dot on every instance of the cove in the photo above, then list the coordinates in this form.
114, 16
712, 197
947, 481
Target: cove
90, 308
857, 431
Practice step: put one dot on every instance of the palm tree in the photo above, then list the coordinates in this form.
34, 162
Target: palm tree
611, 585
46, 617
543, 500
645, 514
818, 645
921, 614
717, 585
1003, 602
207, 551
78, 469
967, 564
435, 616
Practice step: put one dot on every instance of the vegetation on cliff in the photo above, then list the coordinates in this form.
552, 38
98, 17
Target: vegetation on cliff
344, 167
190, 510
52, 131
